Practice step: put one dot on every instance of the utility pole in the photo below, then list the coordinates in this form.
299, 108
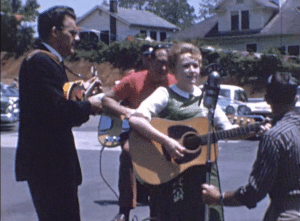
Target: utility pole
113, 8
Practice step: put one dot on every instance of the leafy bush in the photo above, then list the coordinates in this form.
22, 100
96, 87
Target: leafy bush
123, 54
241, 69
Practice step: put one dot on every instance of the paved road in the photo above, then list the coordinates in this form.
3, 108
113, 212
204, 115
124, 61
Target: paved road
98, 202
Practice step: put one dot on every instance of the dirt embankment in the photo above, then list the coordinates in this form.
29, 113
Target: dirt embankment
107, 73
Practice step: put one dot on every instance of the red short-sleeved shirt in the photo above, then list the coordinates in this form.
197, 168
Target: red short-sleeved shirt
136, 87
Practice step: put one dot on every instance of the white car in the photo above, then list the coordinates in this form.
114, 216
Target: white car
259, 107
234, 101
230, 96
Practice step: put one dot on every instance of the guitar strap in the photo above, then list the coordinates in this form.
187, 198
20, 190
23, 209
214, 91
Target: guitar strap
49, 54
54, 58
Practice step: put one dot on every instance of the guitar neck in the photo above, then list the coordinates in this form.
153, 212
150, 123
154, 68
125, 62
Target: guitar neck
222, 135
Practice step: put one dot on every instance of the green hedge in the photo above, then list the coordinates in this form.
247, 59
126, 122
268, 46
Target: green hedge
244, 69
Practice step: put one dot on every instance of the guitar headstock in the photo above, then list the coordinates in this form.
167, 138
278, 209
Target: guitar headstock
241, 120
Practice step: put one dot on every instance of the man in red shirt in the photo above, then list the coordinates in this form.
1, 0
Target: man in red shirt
132, 90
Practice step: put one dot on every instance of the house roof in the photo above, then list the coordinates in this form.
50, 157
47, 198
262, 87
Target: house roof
286, 21
289, 15
266, 3
134, 17
198, 30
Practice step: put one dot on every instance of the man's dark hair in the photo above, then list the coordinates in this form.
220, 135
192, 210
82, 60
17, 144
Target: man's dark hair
53, 17
281, 88
150, 49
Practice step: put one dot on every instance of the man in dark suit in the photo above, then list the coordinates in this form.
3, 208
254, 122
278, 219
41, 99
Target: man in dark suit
46, 156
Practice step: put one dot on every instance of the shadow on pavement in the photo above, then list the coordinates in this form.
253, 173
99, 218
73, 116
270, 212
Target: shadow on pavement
107, 202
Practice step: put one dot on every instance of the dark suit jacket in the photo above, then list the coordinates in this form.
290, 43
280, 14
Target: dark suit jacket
46, 148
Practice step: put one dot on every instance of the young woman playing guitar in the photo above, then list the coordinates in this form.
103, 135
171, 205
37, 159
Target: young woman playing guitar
179, 199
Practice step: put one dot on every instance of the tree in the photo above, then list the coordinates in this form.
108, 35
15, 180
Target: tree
105, 3
136, 4
16, 34
205, 6
177, 12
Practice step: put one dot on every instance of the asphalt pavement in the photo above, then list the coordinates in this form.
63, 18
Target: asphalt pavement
97, 196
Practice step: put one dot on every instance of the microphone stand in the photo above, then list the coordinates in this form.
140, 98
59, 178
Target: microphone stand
211, 90
208, 164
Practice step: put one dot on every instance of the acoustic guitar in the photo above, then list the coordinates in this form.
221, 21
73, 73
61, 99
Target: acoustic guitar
110, 127
153, 165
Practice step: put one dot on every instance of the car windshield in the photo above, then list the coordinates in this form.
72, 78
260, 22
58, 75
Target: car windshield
240, 96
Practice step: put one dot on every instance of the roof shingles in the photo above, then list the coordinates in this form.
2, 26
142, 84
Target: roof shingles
135, 17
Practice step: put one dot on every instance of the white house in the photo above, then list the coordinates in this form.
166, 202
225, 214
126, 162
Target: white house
129, 22
250, 25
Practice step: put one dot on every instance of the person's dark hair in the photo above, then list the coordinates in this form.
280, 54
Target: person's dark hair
150, 49
53, 17
146, 48
182, 48
281, 88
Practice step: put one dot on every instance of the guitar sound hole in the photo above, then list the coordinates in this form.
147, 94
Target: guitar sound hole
191, 142
177, 131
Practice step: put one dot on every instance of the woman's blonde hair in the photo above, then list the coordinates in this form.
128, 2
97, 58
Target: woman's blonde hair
182, 48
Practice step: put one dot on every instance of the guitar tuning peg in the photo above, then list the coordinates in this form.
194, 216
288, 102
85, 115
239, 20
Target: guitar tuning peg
241, 121
248, 121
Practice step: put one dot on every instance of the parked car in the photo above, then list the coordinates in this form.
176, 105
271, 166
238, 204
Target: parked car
9, 104
234, 101
259, 107
230, 98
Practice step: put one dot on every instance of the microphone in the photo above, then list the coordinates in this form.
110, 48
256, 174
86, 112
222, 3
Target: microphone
211, 90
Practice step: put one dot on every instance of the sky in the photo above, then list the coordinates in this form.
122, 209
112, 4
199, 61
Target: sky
81, 6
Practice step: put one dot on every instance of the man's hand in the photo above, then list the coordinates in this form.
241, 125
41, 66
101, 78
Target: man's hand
264, 127
211, 194
96, 103
92, 87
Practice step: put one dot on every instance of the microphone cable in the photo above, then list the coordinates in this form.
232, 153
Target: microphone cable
101, 174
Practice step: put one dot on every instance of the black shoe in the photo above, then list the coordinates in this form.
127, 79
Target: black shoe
119, 217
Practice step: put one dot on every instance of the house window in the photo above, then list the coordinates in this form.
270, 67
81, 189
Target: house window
293, 50
89, 37
153, 35
235, 20
143, 33
84, 36
104, 36
94, 37
239, 1
281, 49
245, 20
251, 47
163, 36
